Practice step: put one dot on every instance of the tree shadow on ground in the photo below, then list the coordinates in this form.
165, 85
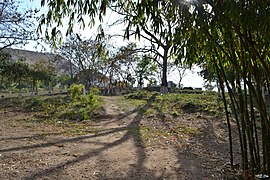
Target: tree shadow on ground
206, 154
35, 136
131, 132
192, 162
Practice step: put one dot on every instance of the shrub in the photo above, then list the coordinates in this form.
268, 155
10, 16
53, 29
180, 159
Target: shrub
94, 91
76, 90
80, 107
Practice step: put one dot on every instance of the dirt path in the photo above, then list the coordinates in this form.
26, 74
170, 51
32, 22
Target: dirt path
115, 151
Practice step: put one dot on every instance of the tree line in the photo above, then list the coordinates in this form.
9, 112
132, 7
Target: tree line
19, 75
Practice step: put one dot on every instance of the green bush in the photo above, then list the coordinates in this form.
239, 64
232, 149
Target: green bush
79, 107
95, 91
76, 90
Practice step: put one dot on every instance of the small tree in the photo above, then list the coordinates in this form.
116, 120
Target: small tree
145, 69
83, 59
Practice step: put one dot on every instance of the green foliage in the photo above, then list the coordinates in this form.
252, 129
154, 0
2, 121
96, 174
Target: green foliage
4, 63
16, 75
76, 91
80, 107
58, 108
190, 103
11, 102
231, 37
13, 71
94, 91
64, 80
85, 55
145, 69
128, 104
158, 20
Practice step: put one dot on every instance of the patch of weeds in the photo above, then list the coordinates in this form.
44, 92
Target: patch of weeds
158, 136
151, 135
190, 107
80, 108
55, 126
187, 130
174, 104
73, 108
149, 111
60, 108
175, 113
35, 120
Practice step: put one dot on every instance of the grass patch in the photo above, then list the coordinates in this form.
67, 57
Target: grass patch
157, 136
81, 108
68, 128
177, 104
56, 114
57, 108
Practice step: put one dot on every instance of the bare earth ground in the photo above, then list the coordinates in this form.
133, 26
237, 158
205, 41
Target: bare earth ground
115, 150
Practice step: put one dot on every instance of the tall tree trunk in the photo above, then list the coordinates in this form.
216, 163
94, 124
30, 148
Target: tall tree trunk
164, 82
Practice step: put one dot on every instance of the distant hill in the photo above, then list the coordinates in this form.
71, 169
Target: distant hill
32, 57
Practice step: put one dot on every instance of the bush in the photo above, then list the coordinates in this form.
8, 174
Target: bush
79, 107
94, 91
76, 90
